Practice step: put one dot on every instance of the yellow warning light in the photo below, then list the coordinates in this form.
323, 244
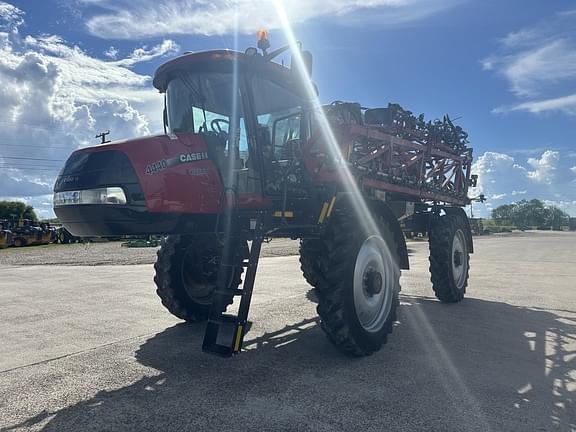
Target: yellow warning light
262, 35
263, 42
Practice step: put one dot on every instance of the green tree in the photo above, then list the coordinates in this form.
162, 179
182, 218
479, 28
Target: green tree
556, 218
16, 210
533, 213
503, 215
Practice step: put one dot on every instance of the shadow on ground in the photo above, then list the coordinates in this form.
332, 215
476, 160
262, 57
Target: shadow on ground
479, 366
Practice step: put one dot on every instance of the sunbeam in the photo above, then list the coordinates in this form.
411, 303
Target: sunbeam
363, 213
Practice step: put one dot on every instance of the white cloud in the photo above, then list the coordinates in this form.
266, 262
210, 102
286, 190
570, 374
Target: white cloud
54, 98
545, 168
520, 38
18, 186
111, 53
10, 17
144, 54
498, 196
535, 70
539, 64
121, 20
503, 179
566, 104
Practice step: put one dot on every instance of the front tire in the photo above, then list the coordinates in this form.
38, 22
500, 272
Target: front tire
357, 279
449, 258
186, 274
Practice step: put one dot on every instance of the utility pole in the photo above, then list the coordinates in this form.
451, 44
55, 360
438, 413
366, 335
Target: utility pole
103, 136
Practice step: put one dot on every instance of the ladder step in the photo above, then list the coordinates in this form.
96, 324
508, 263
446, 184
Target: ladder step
234, 336
225, 332
219, 350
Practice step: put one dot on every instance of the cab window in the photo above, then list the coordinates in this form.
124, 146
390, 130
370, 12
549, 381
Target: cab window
279, 119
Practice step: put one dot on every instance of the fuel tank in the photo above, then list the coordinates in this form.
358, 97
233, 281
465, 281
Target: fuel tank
155, 185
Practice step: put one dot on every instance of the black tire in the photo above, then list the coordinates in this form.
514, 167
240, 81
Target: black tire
329, 265
186, 273
310, 251
449, 263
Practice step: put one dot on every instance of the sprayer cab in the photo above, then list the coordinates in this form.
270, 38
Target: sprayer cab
228, 116
241, 104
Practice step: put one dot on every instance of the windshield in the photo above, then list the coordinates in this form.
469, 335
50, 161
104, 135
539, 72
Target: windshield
201, 103
193, 101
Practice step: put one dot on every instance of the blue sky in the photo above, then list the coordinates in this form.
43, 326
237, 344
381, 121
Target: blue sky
507, 68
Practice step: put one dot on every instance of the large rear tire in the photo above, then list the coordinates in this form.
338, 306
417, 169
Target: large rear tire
449, 257
357, 278
186, 273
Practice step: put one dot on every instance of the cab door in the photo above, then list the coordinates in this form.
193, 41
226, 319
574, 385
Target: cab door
280, 123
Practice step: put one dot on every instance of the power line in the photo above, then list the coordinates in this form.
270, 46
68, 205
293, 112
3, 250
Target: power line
24, 165
29, 158
18, 162
29, 165
36, 146
30, 169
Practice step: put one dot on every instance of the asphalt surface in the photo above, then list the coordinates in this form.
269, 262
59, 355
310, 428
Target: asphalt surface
91, 348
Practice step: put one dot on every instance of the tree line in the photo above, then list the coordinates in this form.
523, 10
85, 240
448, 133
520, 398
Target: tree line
530, 214
17, 210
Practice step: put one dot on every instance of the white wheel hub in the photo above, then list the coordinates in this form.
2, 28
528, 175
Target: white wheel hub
375, 278
459, 259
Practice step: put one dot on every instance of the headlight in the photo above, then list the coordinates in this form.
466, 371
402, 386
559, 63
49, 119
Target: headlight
107, 195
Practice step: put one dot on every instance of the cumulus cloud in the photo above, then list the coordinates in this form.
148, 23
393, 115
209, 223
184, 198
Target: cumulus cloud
539, 64
545, 168
119, 19
111, 53
54, 98
503, 179
10, 17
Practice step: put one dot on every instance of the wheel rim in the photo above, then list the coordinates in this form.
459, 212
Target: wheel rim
375, 276
459, 259
199, 272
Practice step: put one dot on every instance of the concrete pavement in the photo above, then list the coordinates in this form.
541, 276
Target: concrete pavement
91, 348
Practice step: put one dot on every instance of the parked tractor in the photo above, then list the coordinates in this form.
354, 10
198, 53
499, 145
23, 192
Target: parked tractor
26, 232
248, 154
63, 236
5, 234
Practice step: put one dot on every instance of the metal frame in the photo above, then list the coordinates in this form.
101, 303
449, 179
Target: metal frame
424, 169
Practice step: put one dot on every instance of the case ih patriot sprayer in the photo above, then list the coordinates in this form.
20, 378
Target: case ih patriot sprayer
249, 155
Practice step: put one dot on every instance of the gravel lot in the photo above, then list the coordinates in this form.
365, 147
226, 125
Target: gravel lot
109, 253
